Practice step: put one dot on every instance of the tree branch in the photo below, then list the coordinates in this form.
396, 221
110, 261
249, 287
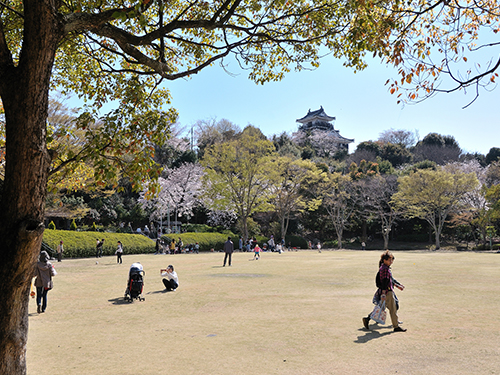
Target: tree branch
230, 12
5, 55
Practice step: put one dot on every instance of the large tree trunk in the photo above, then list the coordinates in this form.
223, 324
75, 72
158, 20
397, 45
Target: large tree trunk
284, 220
364, 228
438, 243
245, 227
339, 238
24, 92
386, 241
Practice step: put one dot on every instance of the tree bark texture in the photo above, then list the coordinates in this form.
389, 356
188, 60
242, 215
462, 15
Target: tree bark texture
24, 90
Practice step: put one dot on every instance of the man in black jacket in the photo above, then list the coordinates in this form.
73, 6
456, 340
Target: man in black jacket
228, 249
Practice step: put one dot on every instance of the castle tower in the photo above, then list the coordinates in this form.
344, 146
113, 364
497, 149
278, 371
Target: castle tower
319, 121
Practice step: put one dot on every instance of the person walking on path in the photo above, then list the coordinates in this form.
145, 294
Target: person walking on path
385, 292
119, 253
171, 281
228, 249
60, 251
43, 282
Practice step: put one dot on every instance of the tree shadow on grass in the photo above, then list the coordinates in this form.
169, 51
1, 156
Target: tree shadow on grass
371, 335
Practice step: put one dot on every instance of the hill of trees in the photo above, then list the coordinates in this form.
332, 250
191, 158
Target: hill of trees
395, 188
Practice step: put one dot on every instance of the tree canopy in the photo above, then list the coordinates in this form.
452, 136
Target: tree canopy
237, 173
433, 195
444, 46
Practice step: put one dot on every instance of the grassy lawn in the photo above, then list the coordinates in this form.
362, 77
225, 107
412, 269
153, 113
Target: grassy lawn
294, 313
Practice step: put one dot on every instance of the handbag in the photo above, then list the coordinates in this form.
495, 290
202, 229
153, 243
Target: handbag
379, 314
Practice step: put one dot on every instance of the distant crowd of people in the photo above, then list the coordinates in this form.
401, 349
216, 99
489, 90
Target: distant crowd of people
175, 247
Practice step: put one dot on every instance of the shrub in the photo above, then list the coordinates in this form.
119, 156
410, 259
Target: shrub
330, 244
195, 228
73, 225
207, 241
83, 244
52, 225
296, 241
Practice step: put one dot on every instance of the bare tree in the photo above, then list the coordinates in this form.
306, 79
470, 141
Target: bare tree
403, 137
339, 200
381, 189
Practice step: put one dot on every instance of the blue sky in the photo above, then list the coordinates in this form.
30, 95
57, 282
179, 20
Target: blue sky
360, 102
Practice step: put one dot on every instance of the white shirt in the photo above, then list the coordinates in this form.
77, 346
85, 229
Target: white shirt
171, 276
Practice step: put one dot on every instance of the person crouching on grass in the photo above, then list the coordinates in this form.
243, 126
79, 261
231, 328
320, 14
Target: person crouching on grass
171, 281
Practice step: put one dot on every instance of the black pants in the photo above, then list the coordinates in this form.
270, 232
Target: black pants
119, 258
226, 256
170, 284
41, 297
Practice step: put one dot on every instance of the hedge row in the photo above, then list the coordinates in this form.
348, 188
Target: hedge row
83, 244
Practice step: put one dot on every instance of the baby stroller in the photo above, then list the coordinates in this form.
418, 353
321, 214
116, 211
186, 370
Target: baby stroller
135, 283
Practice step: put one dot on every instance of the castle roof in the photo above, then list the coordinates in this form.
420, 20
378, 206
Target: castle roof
318, 115
343, 139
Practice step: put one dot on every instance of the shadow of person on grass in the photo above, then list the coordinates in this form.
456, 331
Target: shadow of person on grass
159, 291
371, 335
118, 301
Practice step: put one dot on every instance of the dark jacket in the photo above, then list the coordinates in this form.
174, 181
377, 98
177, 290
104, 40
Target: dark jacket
228, 247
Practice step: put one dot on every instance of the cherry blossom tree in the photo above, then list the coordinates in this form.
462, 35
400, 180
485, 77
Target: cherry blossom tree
179, 191
325, 143
223, 218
